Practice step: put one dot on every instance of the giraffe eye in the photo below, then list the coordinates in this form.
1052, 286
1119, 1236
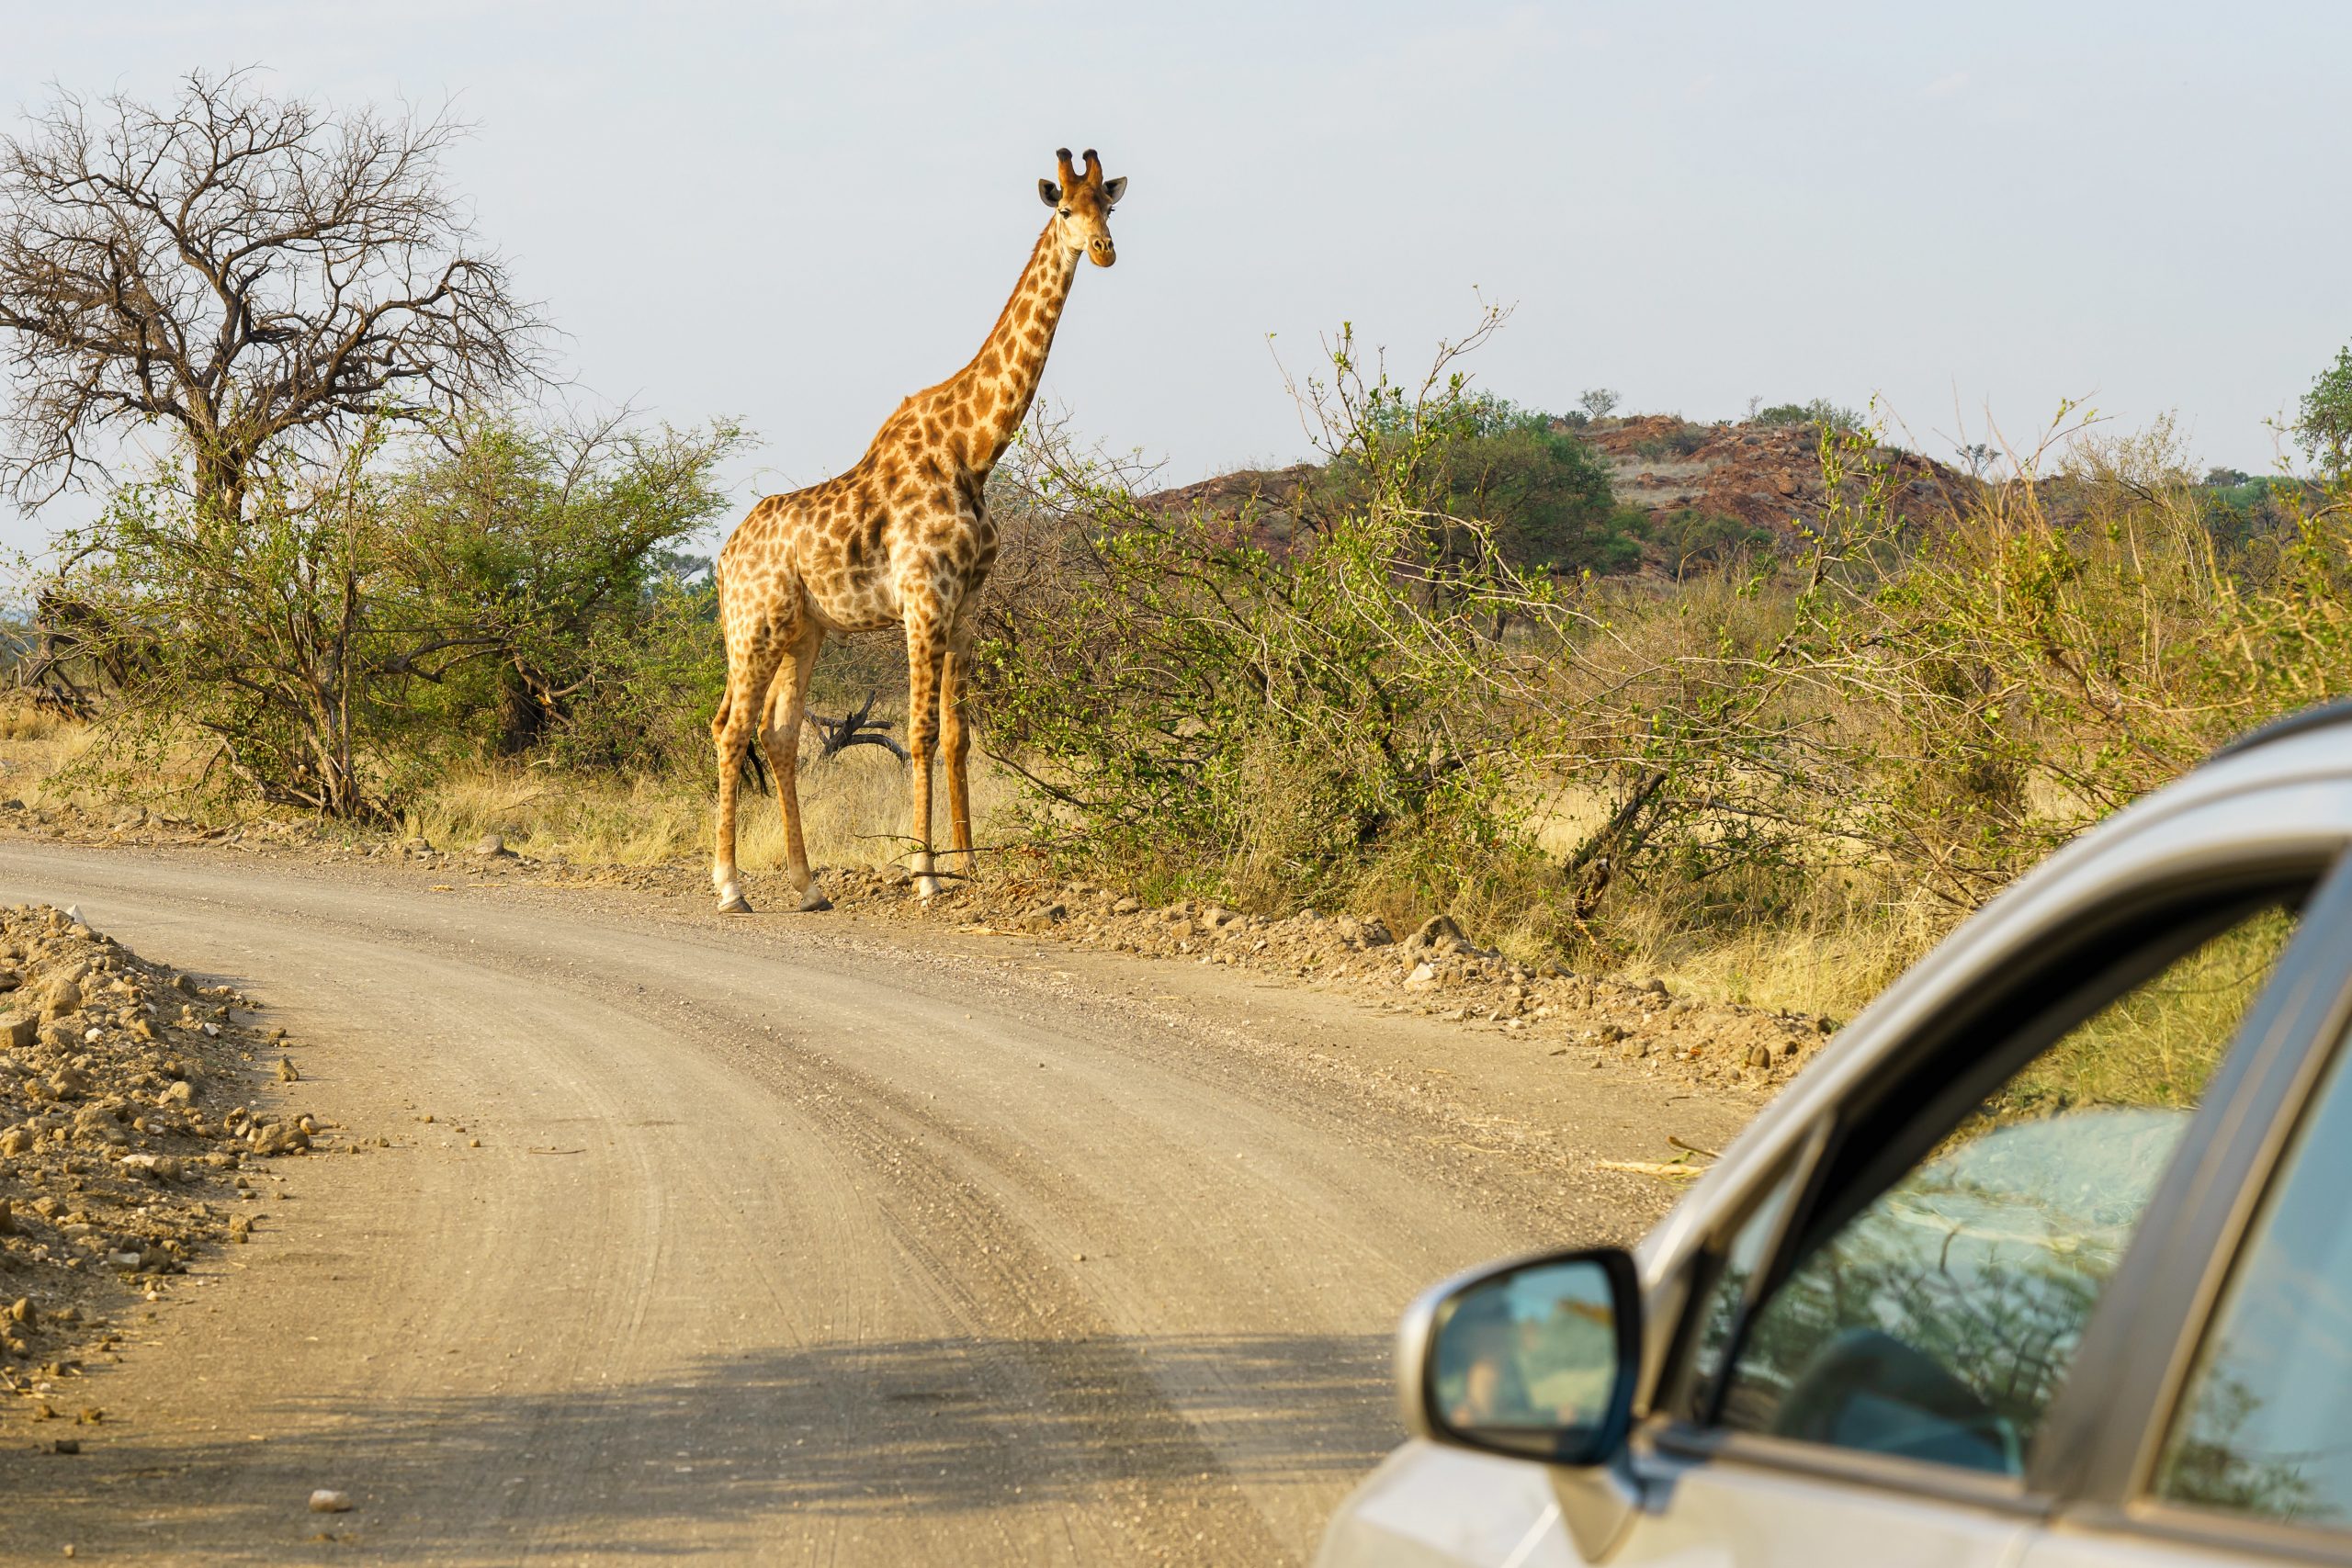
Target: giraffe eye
1065, 211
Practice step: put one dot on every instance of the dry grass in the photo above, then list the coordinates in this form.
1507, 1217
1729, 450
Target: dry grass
36, 746
1828, 957
2158, 1043
1828, 960
21, 719
854, 807
852, 811
1829, 953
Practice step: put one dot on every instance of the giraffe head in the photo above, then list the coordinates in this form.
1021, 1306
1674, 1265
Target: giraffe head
1082, 204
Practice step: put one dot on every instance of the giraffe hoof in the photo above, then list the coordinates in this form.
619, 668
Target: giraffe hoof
927, 888
732, 902
813, 902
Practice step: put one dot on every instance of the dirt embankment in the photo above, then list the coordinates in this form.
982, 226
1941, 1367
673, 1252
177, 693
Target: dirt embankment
138, 1108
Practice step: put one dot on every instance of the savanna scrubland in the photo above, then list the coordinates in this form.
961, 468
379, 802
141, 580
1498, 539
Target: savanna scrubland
1454, 676
1521, 667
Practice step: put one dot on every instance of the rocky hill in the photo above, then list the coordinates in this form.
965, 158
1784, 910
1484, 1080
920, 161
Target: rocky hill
1766, 476
1697, 488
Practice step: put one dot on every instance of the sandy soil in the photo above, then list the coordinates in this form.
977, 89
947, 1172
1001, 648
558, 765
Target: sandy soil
795, 1238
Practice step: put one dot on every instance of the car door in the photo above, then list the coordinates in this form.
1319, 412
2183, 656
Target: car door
1877, 1361
2227, 1436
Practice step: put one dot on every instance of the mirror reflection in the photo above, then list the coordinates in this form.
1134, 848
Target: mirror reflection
1533, 1351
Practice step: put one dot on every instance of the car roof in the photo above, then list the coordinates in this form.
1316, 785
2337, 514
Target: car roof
2319, 717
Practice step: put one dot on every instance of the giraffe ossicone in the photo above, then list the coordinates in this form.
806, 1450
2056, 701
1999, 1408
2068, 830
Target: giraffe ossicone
903, 539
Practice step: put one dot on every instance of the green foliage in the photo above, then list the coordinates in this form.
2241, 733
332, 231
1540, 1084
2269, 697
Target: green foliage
2323, 422
2245, 513
1211, 716
355, 624
1694, 539
1542, 495
1489, 475
1237, 721
257, 631
1942, 707
1683, 440
1820, 411
541, 559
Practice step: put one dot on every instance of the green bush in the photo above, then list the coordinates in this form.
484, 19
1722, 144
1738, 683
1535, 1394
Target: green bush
261, 633
2324, 419
355, 624
1942, 707
1820, 411
1198, 714
1542, 495
1225, 721
1494, 476
543, 558
1681, 442
1694, 539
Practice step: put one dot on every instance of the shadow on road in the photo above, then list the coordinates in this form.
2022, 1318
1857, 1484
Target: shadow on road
939, 1428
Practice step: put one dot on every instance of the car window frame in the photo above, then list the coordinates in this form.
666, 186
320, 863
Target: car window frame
2133, 933
1685, 1394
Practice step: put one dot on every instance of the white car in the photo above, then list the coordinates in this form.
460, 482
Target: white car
2046, 1263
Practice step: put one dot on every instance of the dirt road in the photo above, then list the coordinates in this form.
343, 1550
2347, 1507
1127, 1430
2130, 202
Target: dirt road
793, 1241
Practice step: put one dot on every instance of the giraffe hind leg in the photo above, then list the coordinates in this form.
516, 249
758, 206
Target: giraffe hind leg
955, 745
926, 651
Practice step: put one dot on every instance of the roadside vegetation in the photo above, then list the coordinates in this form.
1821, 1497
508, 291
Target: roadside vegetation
348, 570
1780, 777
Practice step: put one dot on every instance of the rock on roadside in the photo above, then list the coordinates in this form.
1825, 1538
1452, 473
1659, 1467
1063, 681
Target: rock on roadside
133, 1106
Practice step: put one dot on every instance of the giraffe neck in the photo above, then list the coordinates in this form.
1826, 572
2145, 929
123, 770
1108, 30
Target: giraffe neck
1001, 380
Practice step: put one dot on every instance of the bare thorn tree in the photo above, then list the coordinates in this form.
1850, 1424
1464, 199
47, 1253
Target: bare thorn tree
249, 271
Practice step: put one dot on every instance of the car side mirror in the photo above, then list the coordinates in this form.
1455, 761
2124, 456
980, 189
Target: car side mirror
1536, 1358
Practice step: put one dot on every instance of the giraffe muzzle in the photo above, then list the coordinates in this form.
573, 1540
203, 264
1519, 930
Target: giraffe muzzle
1102, 252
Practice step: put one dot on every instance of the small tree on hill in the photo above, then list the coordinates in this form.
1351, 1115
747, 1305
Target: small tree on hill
1544, 494
2324, 425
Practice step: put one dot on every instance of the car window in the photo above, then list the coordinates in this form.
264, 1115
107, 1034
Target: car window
1936, 1323
2266, 1429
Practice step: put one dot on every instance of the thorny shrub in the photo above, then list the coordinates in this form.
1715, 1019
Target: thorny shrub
1937, 708
1206, 715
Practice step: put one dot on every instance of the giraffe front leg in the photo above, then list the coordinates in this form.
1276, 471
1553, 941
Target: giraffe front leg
731, 737
925, 650
730, 732
787, 704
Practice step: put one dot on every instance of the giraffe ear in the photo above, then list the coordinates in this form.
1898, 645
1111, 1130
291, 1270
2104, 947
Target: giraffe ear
1049, 192
1114, 190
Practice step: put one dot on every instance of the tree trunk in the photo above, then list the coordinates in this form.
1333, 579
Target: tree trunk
220, 484
522, 716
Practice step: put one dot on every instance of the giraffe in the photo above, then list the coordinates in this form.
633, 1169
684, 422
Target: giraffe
902, 538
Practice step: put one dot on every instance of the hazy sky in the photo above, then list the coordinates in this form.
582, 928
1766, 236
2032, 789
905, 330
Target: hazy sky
799, 213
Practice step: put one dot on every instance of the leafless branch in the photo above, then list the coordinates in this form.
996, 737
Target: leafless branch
241, 270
